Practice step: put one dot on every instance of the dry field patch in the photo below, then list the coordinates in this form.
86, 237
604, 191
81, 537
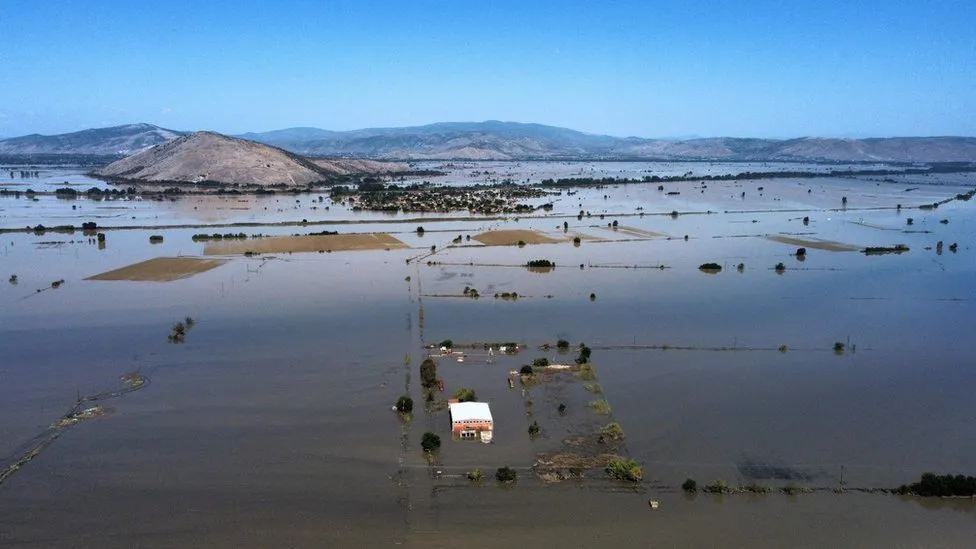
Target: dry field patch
309, 243
512, 237
828, 245
161, 269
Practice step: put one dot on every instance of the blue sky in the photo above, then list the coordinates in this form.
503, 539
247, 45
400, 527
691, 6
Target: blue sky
647, 68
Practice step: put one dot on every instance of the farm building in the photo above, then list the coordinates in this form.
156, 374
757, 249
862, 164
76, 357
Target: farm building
469, 419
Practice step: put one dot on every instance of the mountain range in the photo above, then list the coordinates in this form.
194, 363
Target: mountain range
494, 140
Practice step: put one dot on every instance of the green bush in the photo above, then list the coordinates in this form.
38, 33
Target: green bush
612, 430
541, 362
689, 485
525, 370
717, 486
601, 406
932, 485
430, 442
404, 404
625, 469
428, 373
506, 474
562, 345
584, 354
466, 395
534, 429
475, 475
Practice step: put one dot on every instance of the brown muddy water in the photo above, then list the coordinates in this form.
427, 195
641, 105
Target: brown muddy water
271, 424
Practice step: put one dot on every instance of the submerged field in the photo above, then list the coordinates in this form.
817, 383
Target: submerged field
271, 423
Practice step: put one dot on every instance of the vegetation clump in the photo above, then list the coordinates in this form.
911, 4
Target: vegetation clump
562, 345
756, 488
584, 354
155, 239
540, 362
540, 263
534, 429
625, 469
612, 431
466, 395
932, 485
475, 475
526, 370
793, 489
600, 406
710, 267
880, 250
430, 442
594, 388
506, 474
779, 268
446, 344
428, 373
404, 404
217, 236
689, 485
717, 486
178, 332
839, 347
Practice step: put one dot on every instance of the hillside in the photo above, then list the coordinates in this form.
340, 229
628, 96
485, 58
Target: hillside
116, 140
494, 140
207, 156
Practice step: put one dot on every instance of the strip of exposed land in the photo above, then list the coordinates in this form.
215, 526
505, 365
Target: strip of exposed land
514, 236
827, 245
161, 269
309, 243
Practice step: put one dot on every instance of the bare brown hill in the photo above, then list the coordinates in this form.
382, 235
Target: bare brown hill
208, 156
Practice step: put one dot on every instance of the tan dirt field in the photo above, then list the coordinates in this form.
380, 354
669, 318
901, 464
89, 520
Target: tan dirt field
161, 269
512, 237
310, 243
828, 245
633, 231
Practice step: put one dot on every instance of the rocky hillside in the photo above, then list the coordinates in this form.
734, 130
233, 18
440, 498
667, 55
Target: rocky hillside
207, 156
117, 140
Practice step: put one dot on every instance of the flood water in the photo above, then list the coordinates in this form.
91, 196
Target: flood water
271, 424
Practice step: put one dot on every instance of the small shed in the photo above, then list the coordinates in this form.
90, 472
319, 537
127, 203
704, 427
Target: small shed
468, 419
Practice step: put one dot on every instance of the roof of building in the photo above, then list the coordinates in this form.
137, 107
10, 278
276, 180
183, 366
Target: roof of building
470, 411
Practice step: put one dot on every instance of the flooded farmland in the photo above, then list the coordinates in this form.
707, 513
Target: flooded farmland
271, 423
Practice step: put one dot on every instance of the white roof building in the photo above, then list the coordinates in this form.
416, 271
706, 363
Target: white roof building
470, 411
